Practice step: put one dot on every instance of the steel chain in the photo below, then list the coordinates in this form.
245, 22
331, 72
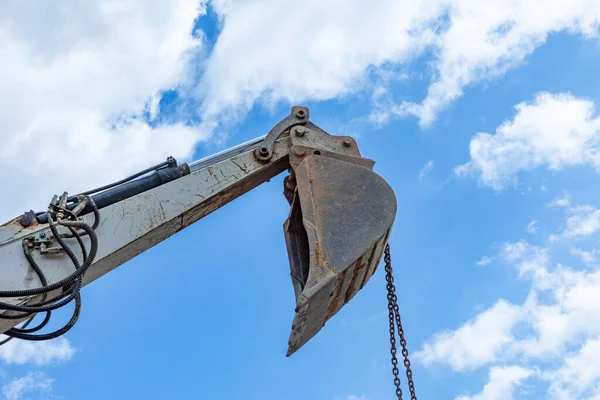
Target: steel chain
394, 317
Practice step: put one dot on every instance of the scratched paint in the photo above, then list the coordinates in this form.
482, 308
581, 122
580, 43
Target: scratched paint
132, 226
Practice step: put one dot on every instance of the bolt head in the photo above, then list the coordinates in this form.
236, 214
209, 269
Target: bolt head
347, 142
42, 234
27, 220
299, 152
300, 131
290, 184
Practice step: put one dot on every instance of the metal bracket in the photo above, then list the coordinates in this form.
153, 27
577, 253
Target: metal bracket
311, 139
299, 116
42, 237
44, 240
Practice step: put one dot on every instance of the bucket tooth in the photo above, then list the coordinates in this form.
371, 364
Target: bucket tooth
339, 223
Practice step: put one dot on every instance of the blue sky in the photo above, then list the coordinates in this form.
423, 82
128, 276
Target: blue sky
481, 118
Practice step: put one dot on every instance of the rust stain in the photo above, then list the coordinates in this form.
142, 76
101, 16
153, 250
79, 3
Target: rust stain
369, 263
15, 222
358, 266
14, 226
244, 169
333, 303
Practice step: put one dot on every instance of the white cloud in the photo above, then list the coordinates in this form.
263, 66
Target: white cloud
551, 328
555, 131
32, 382
426, 170
485, 39
502, 382
562, 201
82, 81
74, 93
583, 221
588, 257
485, 260
532, 227
555, 330
38, 353
531, 261
317, 50
579, 373
479, 341
326, 50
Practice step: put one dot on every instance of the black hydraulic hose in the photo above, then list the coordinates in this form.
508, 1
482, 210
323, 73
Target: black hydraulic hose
75, 280
72, 288
66, 297
81, 245
34, 265
89, 200
25, 334
42, 277
75, 275
55, 334
35, 328
92, 204
9, 338
77, 236
38, 270
57, 298
36, 308
46, 302
17, 316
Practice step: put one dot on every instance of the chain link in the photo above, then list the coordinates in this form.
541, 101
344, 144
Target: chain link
394, 317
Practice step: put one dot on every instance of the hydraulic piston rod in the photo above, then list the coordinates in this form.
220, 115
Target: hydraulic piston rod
339, 223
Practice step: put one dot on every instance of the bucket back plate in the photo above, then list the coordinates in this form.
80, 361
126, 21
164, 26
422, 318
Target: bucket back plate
341, 216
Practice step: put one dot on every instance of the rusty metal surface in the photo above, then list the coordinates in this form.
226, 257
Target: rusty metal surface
316, 138
341, 216
298, 116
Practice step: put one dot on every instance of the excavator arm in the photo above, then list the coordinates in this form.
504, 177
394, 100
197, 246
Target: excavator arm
340, 219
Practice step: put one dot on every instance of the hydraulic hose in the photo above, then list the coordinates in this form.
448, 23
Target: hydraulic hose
26, 334
52, 335
75, 275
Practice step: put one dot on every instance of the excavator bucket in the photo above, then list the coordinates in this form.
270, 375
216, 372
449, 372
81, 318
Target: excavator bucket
340, 219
